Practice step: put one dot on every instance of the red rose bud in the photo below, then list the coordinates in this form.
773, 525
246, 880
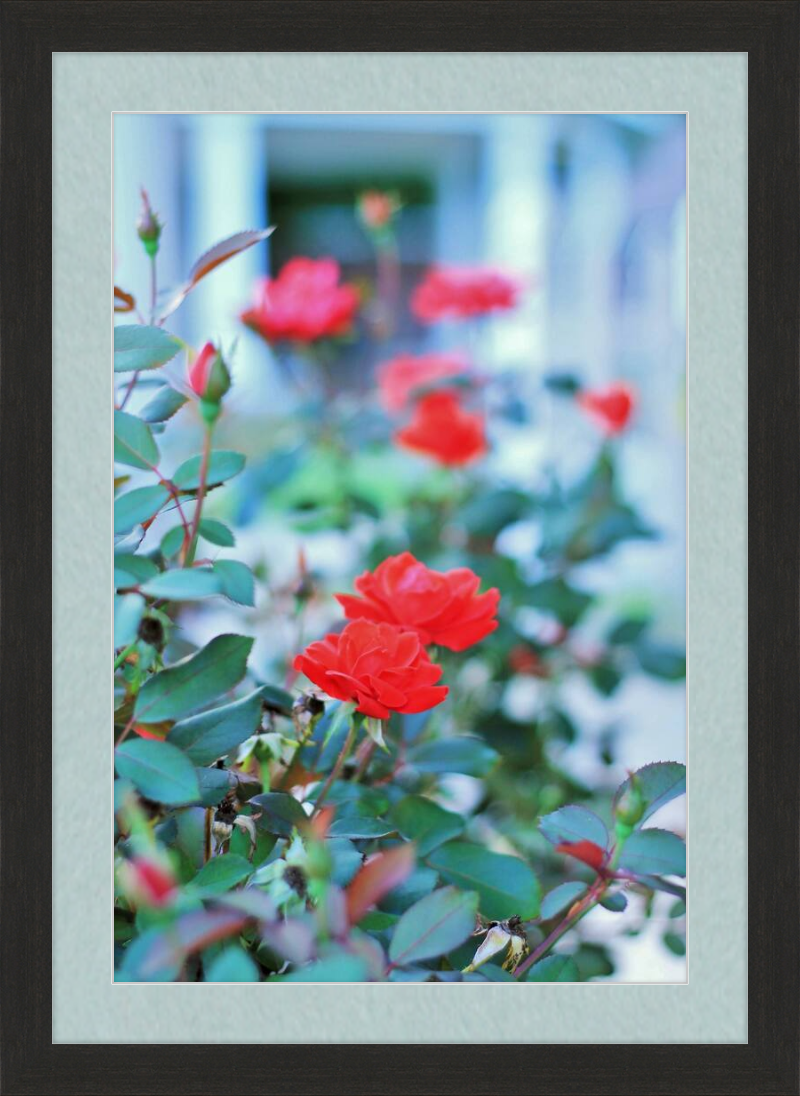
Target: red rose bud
610, 407
443, 607
585, 851
304, 303
457, 293
378, 666
209, 379
149, 882
442, 430
148, 226
377, 209
408, 375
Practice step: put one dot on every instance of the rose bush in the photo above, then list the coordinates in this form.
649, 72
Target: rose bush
375, 804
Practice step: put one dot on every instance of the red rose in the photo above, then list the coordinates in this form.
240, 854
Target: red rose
609, 407
406, 374
379, 666
442, 607
455, 293
305, 302
442, 429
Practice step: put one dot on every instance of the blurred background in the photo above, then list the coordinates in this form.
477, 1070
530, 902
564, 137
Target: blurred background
589, 212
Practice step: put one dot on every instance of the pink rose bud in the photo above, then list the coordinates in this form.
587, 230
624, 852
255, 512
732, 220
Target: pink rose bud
377, 209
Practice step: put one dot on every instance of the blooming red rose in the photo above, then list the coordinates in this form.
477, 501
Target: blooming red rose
442, 607
406, 374
455, 293
610, 407
442, 429
379, 666
304, 303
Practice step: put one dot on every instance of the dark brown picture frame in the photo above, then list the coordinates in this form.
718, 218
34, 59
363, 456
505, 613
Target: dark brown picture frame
767, 30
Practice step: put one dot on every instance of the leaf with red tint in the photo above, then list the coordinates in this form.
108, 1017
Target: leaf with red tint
585, 851
381, 874
152, 730
214, 257
321, 823
123, 302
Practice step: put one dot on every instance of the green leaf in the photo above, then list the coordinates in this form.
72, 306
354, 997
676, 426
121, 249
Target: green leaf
657, 784
235, 580
138, 506
214, 785
653, 852
357, 826
223, 465
560, 898
232, 965
555, 596
425, 823
420, 882
675, 943
128, 612
555, 968
215, 532
506, 884
140, 347
616, 903
210, 735
172, 542
667, 663
435, 925
339, 968
158, 770
190, 584
133, 442
222, 873
164, 404
628, 630
569, 824
464, 754
130, 570
196, 681
281, 813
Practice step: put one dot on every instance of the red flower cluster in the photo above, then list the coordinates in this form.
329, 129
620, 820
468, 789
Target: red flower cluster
457, 293
610, 407
379, 666
442, 607
304, 303
379, 660
442, 429
408, 374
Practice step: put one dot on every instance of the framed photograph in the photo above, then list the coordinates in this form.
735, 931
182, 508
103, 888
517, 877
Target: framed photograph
438, 520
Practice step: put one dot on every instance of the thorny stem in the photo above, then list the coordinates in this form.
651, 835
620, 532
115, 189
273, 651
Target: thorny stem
201, 494
337, 768
364, 758
574, 915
